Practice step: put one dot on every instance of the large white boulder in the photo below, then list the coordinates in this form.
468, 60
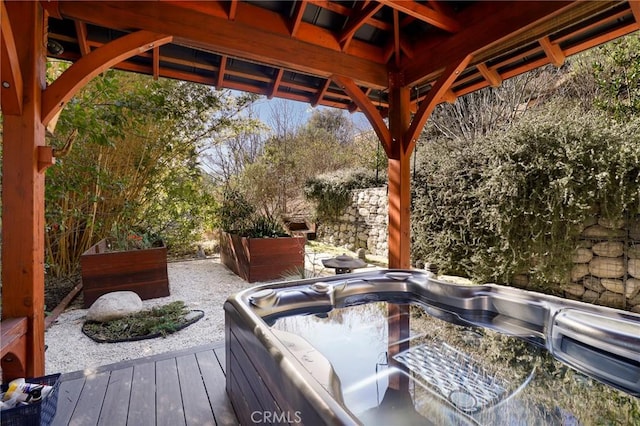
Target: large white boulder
114, 305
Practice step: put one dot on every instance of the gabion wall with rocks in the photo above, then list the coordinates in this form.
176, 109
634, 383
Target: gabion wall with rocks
362, 225
606, 266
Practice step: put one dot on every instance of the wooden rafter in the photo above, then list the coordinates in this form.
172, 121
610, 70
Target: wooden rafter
634, 5
276, 83
156, 62
490, 74
221, 71
320, 94
345, 11
296, 19
553, 51
233, 9
432, 99
357, 21
396, 37
507, 19
81, 72
424, 13
81, 33
449, 96
256, 31
10, 74
367, 108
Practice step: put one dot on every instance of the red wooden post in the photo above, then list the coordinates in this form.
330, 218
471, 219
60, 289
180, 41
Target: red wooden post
399, 215
23, 187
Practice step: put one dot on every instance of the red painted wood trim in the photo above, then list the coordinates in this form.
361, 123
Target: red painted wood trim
23, 188
89, 66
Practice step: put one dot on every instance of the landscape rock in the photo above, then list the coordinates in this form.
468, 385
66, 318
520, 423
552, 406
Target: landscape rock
114, 305
609, 298
599, 231
608, 267
611, 223
609, 249
574, 289
615, 286
593, 283
634, 251
634, 267
633, 288
582, 255
590, 296
578, 271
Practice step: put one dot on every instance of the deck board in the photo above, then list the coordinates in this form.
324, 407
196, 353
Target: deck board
142, 404
197, 408
116, 401
214, 377
185, 387
169, 409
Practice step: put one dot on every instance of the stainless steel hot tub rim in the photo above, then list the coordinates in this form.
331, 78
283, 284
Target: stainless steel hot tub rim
599, 341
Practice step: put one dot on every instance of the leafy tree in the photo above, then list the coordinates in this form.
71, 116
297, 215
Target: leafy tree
134, 163
616, 67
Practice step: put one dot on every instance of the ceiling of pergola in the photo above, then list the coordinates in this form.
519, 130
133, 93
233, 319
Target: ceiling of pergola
291, 49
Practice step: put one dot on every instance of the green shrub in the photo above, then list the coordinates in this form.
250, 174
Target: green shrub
515, 202
332, 191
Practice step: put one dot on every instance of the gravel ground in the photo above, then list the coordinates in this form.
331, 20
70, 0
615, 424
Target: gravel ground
202, 284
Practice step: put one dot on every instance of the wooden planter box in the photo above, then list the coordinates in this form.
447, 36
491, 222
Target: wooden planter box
261, 259
142, 271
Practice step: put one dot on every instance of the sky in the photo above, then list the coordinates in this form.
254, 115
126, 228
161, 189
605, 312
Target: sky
300, 111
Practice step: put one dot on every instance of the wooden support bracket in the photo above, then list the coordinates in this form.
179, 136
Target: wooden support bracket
45, 158
367, 107
89, 66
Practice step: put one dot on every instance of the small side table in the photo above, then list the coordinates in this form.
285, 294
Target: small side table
343, 264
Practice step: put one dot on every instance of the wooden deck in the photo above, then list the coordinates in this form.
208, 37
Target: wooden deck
176, 388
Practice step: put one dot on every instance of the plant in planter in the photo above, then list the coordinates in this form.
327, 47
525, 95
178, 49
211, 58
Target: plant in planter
254, 246
134, 261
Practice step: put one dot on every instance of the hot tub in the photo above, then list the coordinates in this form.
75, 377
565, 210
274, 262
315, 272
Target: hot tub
399, 347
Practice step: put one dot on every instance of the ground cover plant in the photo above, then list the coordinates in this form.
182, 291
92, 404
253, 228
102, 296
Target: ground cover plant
155, 322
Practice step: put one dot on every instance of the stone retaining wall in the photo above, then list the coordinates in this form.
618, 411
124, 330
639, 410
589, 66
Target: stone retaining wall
606, 266
363, 224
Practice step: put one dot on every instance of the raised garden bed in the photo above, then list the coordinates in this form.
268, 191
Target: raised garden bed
143, 271
262, 259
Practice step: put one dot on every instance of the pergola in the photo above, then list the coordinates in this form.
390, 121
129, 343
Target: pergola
390, 59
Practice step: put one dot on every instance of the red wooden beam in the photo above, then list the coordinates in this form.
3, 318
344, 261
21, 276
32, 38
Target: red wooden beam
356, 21
221, 72
296, 19
490, 74
276, 84
509, 18
81, 33
10, 74
399, 176
424, 13
367, 107
103, 58
433, 98
256, 34
553, 51
320, 94
23, 188
156, 62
